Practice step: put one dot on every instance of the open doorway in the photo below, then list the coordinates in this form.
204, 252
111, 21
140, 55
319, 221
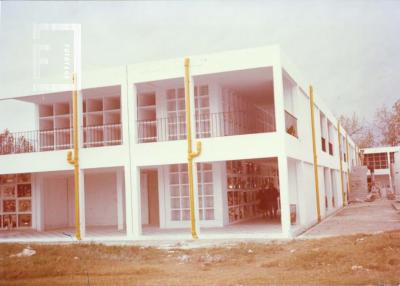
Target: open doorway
149, 197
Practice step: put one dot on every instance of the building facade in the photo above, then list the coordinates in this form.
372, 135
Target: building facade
251, 111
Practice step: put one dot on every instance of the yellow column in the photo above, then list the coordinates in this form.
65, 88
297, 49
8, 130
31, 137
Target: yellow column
341, 164
315, 154
190, 153
75, 160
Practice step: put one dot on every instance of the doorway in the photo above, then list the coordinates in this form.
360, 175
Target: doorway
149, 197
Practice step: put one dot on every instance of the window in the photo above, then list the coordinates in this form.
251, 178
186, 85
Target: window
179, 192
323, 143
177, 112
376, 161
330, 148
15, 201
291, 124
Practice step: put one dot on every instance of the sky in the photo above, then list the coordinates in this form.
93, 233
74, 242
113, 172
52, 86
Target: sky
348, 50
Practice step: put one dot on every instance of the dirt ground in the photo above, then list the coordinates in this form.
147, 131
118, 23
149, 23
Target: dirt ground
347, 260
372, 258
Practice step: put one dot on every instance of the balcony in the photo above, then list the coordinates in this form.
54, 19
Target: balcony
291, 124
58, 139
102, 135
207, 125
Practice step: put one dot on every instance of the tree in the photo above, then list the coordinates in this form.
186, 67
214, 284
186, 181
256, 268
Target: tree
10, 143
359, 130
388, 121
352, 125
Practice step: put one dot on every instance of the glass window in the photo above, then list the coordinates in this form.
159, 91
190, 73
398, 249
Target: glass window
376, 160
179, 192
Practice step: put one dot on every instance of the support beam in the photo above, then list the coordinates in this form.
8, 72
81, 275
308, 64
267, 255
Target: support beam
220, 193
315, 157
128, 202
82, 219
120, 194
390, 173
129, 112
284, 194
136, 202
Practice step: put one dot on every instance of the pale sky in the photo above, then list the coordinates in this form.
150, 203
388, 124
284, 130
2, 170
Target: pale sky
348, 50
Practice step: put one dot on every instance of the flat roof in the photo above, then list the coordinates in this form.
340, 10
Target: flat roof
381, 149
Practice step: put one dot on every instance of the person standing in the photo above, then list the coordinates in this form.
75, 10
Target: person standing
262, 201
273, 196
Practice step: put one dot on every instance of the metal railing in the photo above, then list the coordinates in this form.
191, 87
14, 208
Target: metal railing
291, 124
102, 135
58, 139
207, 125
35, 141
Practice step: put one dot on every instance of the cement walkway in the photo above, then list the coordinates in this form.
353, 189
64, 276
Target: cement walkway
370, 217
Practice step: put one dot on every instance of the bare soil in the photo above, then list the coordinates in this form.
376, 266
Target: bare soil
346, 260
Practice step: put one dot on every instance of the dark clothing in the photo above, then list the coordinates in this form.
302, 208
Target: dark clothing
262, 197
272, 195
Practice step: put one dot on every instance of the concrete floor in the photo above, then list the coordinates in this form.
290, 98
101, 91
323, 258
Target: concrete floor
254, 229
371, 217
97, 233
365, 217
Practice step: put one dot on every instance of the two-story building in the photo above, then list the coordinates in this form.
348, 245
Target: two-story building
250, 109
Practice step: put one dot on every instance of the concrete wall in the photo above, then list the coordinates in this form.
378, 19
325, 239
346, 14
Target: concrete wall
58, 202
308, 213
100, 199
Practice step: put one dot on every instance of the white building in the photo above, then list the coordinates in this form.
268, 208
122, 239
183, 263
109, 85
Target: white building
251, 110
384, 162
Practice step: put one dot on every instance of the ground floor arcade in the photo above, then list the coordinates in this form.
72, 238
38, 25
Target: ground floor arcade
228, 201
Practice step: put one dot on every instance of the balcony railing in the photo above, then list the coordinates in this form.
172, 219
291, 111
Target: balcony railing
207, 125
102, 135
35, 141
291, 124
58, 139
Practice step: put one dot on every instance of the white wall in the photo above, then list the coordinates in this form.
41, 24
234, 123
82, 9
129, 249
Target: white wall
322, 190
101, 199
308, 211
58, 202
292, 173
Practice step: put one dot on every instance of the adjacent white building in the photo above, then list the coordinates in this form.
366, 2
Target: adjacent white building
384, 164
251, 111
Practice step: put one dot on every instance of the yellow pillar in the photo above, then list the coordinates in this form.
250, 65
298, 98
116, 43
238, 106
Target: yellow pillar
190, 153
341, 164
73, 159
315, 154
